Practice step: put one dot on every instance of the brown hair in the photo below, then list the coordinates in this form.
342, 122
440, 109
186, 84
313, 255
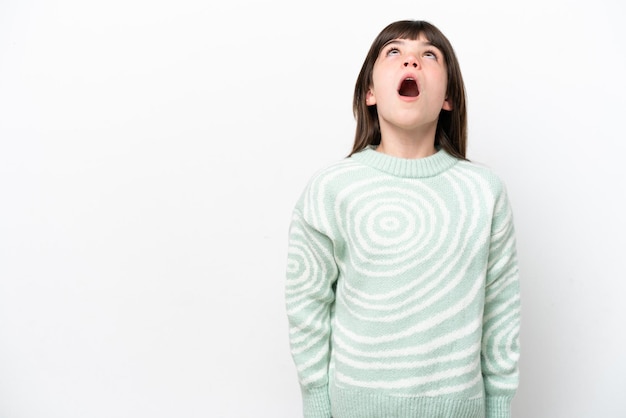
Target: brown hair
452, 125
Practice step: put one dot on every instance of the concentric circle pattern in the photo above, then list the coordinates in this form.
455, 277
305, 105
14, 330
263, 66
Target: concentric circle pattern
402, 279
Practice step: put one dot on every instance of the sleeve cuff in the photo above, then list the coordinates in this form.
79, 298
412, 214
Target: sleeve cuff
316, 402
497, 407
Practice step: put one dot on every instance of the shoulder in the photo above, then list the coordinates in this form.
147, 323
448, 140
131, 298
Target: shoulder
320, 193
333, 169
330, 175
483, 175
491, 186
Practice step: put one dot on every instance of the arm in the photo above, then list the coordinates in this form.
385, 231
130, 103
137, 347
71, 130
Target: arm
311, 272
501, 320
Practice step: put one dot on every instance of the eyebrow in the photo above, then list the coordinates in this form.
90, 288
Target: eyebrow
402, 42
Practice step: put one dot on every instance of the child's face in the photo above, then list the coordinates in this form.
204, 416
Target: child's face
409, 84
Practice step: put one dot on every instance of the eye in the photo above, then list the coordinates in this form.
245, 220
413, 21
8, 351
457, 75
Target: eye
392, 51
431, 55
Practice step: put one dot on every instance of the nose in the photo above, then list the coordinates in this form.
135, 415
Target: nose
410, 60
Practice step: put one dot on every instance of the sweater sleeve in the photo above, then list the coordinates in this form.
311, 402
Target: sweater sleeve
309, 295
501, 320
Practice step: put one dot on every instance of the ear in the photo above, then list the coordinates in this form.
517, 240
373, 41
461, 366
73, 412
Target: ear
370, 99
447, 104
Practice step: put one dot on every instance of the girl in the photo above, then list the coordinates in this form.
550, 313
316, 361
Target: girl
402, 288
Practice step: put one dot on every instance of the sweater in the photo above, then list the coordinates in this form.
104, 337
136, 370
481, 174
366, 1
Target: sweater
402, 290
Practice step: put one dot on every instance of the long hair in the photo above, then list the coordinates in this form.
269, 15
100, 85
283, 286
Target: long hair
451, 132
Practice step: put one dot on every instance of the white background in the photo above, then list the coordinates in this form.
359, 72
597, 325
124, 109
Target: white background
151, 153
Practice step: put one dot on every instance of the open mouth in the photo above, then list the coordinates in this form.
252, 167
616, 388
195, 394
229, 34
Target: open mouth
408, 88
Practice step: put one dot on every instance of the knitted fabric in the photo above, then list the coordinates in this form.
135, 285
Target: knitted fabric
402, 290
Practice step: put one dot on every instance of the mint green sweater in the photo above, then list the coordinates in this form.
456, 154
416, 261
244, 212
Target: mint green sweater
402, 290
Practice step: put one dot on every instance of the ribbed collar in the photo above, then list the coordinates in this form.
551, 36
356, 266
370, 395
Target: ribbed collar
403, 167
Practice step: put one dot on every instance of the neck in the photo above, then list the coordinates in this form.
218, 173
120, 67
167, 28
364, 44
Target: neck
407, 149
410, 145
406, 167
